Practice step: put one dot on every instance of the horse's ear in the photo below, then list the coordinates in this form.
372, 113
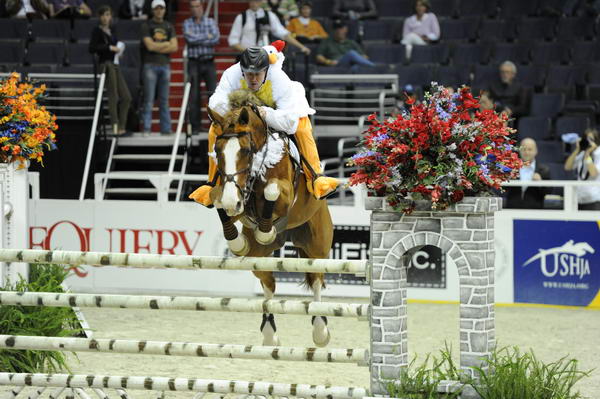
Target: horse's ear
215, 117
244, 117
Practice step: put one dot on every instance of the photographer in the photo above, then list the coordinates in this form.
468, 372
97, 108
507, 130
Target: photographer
585, 160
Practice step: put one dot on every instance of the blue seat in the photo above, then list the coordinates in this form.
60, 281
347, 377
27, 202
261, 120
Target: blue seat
532, 76
82, 29
378, 30
496, 30
11, 53
393, 8
584, 52
571, 124
533, 29
79, 54
558, 172
453, 76
515, 52
458, 29
46, 53
477, 8
430, 54
385, 53
443, 8
512, 8
547, 105
575, 28
50, 30
416, 75
129, 30
470, 54
549, 53
484, 74
561, 79
537, 128
14, 29
550, 151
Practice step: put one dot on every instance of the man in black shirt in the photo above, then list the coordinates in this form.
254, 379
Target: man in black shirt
506, 91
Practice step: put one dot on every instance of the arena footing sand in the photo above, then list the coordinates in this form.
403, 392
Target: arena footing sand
551, 332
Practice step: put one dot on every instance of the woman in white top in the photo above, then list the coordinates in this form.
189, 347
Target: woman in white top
585, 160
420, 29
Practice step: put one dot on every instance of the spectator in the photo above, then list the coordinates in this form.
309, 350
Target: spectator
284, 9
158, 41
421, 28
135, 9
305, 28
341, 51
354, 9
529, 197
585, 160
201, 34
69, 9
108, 49
506, 91
29, 9
254, 26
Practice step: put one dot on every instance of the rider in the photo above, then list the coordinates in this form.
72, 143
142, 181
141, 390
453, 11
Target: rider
286, 110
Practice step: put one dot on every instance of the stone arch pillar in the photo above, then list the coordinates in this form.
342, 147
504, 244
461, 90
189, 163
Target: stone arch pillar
464, 232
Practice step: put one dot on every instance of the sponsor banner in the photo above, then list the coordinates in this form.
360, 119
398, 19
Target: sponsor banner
427, 267
557, 262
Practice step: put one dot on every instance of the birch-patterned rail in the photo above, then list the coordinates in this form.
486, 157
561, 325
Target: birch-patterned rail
156, 302
183, 384
151, 261
358, 356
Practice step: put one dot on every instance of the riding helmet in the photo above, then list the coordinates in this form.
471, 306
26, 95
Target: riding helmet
254, 59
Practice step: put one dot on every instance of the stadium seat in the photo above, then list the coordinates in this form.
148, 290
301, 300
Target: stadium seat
128, 30
550, 151
11, 53
561, 79
547, 105
392, 8
484, 74
571, 124
378, 30
459, 29
321, 8
535, 29
430, 54
549, 53
82, 29
492, 30
453, 76
385, 53
575, 29
532, 76
443, 8
584, 52
513, 8
46, 53
477, 8
416, 75
132, 56
470, 54
538, 128
79, 54
13, 29
50, 30
515, 52
593, 73
558, 172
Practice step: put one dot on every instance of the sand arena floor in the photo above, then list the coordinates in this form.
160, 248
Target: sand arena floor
550, 332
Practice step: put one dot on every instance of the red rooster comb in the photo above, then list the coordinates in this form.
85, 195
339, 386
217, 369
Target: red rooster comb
279, 45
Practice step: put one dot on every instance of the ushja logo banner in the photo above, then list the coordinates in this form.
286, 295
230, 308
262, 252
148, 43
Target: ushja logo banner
557, 262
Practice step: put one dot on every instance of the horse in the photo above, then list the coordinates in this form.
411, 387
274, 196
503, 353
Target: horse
259, 184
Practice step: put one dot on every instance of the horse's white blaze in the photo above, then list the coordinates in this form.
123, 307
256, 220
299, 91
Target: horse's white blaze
230, 197
272, 191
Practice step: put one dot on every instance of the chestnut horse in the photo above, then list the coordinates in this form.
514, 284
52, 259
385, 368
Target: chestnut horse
259, 184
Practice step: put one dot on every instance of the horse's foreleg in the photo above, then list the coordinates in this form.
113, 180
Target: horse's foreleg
266, 233
267, 326
321, 335
237, 242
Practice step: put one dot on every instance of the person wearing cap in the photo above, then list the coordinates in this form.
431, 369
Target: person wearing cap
254, 26
340, 51
286, 110
305, 28
158, 41
201, 35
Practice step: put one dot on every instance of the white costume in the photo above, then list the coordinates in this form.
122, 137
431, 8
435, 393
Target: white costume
289, 97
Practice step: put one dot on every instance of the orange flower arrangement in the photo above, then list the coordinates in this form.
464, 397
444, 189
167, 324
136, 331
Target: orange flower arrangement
26, 127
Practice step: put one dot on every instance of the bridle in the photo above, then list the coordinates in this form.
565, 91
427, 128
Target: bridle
245, 192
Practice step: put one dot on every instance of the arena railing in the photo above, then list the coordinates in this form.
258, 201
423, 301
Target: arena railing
342, 99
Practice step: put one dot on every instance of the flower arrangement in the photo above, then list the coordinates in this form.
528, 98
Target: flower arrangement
443, 149
26, 127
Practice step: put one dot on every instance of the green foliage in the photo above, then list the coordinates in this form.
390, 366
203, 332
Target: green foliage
508, 374
421, 382
37, 321
516, 375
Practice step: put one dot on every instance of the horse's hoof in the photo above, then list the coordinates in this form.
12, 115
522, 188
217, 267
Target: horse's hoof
239, 245
265, 238
321, 335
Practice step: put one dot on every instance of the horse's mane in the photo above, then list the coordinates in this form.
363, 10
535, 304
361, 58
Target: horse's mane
238, 99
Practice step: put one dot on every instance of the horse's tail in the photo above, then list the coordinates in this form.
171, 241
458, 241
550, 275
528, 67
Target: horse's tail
310, 278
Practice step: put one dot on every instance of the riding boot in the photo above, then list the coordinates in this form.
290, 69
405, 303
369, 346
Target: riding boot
202, 194
320, 186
